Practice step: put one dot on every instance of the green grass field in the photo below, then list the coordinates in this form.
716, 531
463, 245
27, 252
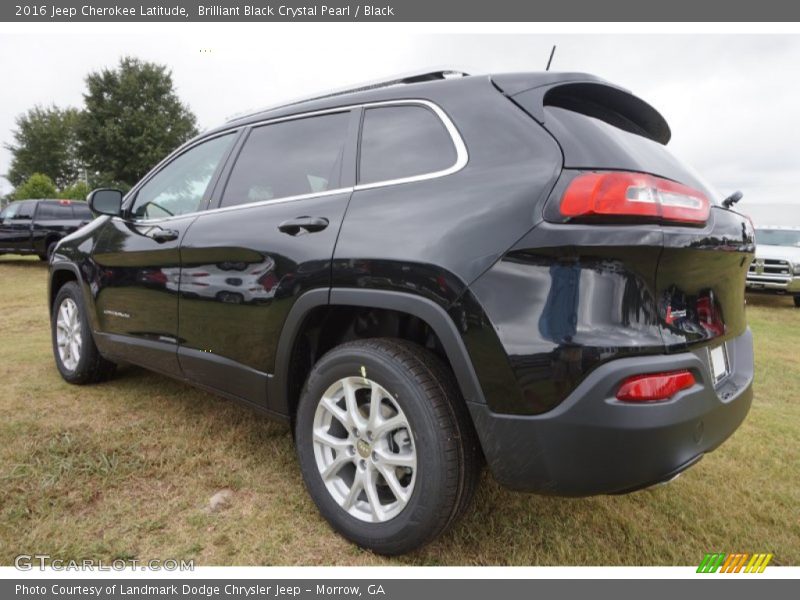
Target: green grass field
126, 469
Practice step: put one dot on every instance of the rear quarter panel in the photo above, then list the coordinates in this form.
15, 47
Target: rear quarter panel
436, 236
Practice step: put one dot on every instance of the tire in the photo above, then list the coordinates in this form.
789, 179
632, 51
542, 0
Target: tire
79, 363
428, 446
797, 301
51, 246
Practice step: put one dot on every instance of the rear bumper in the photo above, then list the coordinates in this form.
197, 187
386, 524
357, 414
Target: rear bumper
593, 444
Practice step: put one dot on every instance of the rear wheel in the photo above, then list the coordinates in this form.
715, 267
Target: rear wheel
386, 447
51, 246
75, 352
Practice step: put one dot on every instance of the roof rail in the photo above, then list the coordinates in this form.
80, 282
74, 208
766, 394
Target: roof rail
365, 87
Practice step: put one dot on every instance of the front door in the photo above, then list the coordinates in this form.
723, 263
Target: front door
271, 238
138, 258
15, 226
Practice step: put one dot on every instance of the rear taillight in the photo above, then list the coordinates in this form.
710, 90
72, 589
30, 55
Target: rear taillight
620, 195
654, 386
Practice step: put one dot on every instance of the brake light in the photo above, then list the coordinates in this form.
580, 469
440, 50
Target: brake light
654, 387
633, 195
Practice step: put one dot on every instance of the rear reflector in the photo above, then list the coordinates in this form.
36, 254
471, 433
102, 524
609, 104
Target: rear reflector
654, 386
616, 194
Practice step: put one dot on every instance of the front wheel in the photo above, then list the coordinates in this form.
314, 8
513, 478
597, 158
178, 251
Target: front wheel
77, 358
385, 444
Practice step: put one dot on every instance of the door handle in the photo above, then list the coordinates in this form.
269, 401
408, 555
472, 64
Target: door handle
164, 235
302, 225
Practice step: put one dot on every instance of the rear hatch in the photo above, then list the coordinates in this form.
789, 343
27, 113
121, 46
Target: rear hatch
607, 135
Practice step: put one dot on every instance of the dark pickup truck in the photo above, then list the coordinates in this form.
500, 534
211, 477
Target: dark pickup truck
36, 226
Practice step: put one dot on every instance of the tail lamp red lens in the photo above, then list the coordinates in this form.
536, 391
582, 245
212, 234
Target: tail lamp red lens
617, 194
654, 387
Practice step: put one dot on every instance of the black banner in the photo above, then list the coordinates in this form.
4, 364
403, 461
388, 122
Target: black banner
402, 11
732, 588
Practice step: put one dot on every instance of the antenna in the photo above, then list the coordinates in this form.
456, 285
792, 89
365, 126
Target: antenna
550, 60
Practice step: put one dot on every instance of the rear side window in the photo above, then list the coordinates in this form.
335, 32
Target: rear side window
51, 211
290, 158
403, 141
81, 211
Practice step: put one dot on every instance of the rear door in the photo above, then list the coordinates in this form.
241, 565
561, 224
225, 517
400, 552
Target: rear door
269, 239
54, 219
138, 257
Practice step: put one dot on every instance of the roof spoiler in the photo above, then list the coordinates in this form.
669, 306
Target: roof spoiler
587, 95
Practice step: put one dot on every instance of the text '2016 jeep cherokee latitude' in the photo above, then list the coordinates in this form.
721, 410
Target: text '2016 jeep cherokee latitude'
426, 275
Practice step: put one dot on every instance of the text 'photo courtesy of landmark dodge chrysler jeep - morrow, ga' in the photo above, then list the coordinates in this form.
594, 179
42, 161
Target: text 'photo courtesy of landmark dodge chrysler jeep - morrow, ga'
426, 275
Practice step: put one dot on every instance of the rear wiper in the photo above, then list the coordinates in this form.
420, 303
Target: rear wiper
732, 199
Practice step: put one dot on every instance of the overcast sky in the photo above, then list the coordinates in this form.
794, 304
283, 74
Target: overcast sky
731, 100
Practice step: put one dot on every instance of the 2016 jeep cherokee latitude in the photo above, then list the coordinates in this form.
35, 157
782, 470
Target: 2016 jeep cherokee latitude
425, 275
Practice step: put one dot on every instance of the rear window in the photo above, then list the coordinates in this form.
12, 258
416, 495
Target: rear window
403, 141
602, 128
51, 211
590, 143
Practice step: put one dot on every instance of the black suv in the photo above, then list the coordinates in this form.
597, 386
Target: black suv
36, 226
423, 275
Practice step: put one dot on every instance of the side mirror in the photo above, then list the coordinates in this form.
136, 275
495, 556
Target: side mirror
106, 201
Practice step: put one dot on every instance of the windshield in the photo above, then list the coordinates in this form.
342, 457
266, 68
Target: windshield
778, 237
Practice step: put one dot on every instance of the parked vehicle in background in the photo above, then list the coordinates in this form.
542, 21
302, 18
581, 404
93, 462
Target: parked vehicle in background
776, 269
426, 273
36, 226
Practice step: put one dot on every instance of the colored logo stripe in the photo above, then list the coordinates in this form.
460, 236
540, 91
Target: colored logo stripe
734, 563
711, 563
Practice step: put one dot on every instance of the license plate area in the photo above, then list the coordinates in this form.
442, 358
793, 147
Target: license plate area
718, 363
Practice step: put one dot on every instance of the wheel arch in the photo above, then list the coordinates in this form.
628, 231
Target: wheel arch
60, 274
427, 311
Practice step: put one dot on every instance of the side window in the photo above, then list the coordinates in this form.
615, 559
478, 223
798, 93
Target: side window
180, 187
290, 158
51, 211
403, 141
26, 210
81, 211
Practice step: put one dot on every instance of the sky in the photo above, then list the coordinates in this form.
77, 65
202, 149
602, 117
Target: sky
731, 99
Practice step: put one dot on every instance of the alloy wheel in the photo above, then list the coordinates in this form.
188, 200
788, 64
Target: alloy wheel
364, 449
68, 334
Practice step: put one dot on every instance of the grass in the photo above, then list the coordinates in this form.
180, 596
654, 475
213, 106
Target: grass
126, 469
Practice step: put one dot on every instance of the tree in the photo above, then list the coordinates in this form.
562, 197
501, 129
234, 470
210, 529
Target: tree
37, 185
77, 191
45, 141
132, 119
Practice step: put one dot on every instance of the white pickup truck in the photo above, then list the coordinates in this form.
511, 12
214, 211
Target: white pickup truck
776, 269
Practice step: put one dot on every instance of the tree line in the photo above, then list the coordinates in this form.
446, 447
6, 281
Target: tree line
131, 117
